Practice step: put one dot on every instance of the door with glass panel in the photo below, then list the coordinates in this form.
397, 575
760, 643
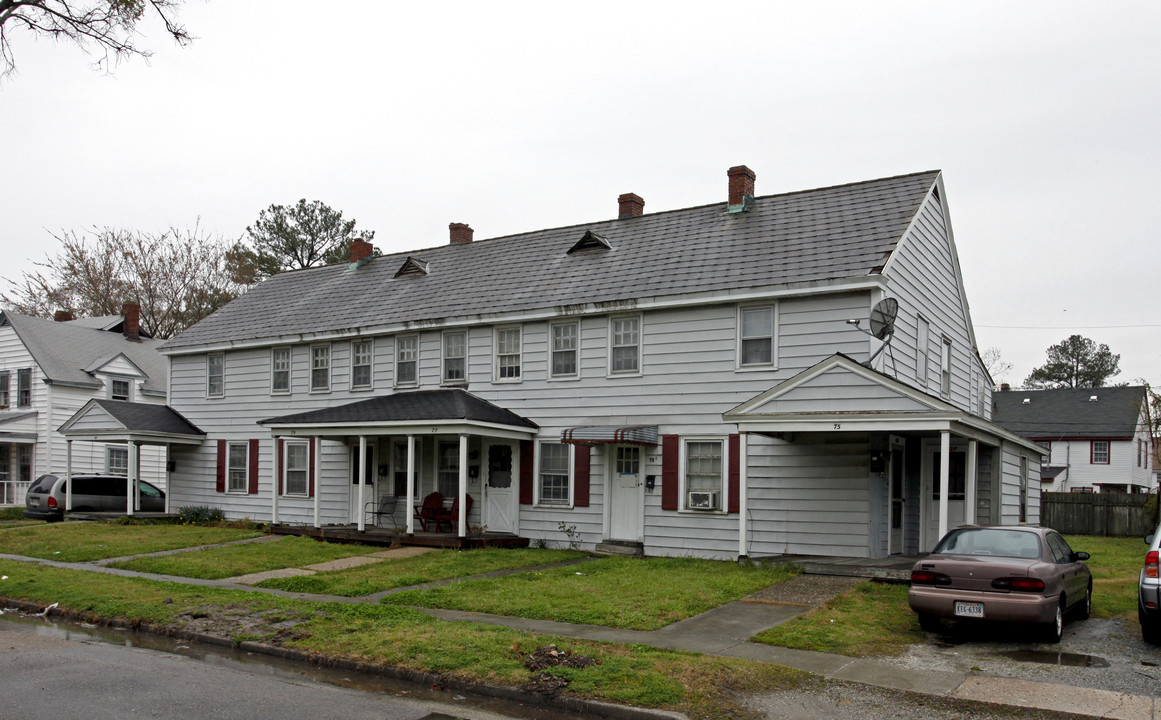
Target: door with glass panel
501, 471
625, 515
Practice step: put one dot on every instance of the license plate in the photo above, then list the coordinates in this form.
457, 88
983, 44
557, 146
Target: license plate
34, 502
969, 609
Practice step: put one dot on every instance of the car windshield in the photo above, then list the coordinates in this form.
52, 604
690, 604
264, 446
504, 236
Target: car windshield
990, 541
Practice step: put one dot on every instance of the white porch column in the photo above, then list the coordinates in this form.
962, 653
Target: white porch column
944, 479
362, 524
742, 445
463, 496
410, 484
969, 491
168, 483
130, 477
137, 477
68, 475
277, 468
317, 478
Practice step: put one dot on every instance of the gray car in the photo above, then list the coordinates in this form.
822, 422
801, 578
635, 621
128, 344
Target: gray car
91, 493
1149, 593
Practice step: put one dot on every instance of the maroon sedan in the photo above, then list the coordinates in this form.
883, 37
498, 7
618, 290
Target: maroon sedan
1002, 573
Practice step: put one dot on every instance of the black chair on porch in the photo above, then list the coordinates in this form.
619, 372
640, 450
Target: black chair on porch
386, 510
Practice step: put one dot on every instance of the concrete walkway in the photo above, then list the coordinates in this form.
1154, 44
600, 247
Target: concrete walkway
726, 630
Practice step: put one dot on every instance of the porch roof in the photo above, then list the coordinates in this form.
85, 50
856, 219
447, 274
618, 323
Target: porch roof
118, 420
453, 410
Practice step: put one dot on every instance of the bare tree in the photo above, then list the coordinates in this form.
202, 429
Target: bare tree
994, 363
107, 26
178, 277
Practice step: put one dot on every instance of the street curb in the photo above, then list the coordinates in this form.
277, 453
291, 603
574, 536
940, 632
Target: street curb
593, 708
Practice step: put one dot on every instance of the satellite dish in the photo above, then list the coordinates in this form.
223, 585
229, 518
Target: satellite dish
883, 318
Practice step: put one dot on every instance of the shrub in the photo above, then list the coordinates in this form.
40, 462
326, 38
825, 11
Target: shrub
191, 514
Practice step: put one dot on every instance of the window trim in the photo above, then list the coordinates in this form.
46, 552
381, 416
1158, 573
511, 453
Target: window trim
5, 389
284, 467
370, 364
329, 367
682, 470
444, 380
1092, 452
576, 374
519, 354
739, 363
209, 376
289, 369
23, 388
109, 450
945, 366
922, 350
571, 469
113, 380
639, 370
245, 490
398, 361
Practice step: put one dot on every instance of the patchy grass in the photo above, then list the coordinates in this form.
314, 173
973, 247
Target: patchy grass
703, 687
417, 570
224, 562
85, 541
870, 619
632, 593
14, 513
1115, 565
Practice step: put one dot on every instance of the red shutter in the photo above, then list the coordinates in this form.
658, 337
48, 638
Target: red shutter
281, 460
526, 472
221, 466
669, 462
253, 489
310, 470
732, 478
580, 477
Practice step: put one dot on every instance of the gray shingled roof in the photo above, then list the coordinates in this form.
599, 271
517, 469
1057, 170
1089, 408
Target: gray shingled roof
64, 349
418, 405
1064, 414
832, 233
143, 417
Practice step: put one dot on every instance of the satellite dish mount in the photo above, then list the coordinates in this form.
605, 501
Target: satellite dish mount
882, 324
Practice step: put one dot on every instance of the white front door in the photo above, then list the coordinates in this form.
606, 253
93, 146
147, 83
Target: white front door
955, 502
368, 480
625, 515
500, 508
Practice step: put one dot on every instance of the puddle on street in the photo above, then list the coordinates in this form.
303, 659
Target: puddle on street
1056, 658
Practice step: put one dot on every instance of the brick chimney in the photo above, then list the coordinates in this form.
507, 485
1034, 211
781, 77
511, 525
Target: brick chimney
631, 205
62, 315
131, 311
461, 234
741, 187
1005, 387
361, 251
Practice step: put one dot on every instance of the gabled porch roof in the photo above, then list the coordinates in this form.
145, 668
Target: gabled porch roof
121, 421
446, 411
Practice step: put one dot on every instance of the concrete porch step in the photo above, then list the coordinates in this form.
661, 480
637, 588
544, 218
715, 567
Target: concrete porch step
620, 547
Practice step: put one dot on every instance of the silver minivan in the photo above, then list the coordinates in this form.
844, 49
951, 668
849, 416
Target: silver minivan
1149, 592
45, 499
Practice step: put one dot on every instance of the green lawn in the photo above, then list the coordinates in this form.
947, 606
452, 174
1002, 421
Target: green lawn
223, 562
85, 541
703, 687
1115, 565
632, 593
418, 569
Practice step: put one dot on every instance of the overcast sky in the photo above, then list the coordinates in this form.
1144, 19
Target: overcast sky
1045, 118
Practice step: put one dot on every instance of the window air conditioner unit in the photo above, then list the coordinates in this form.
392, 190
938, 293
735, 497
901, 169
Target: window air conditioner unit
699, 500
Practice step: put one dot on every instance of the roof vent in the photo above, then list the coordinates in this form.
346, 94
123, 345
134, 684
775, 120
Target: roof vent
590, 240
1027, 401
1092, 398
412, 266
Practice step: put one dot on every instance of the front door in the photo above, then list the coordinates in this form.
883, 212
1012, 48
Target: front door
897, 503
500, 508
368, 480
625, 494
955, 503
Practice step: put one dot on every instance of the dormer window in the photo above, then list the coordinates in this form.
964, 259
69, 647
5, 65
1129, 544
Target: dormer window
412, 266
119, 389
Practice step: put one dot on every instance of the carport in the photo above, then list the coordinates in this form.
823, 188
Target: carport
131, 423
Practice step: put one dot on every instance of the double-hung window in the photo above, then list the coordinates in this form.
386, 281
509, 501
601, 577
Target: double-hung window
564, 342
320, 368
237, 465
407, 360
945, 367
704, 474
1100, 452
455, 352
116, 460
280, 370
756, 341
215, 375
24, 387
361, 354
119, 389
297, 467
553, 475
508, 354
922, 344
625, 345
4, 394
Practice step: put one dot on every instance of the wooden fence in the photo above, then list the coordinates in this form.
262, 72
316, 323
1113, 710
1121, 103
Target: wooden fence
1112, 514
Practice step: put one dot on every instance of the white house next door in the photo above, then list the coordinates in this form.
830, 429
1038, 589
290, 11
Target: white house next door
500, 505
625, 514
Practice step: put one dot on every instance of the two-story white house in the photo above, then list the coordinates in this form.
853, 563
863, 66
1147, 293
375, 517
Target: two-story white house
697, 382
1095, 439
49, 370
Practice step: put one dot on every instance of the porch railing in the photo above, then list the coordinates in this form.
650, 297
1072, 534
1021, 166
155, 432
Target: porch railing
12, 492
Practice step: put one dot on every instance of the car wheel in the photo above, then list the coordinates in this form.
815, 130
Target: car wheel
1054, 630
1084, 609
930, 623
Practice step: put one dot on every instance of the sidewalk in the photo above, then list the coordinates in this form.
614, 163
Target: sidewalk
725, 631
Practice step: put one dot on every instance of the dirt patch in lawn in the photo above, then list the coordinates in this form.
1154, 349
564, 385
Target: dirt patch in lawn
242, 622
804, 590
